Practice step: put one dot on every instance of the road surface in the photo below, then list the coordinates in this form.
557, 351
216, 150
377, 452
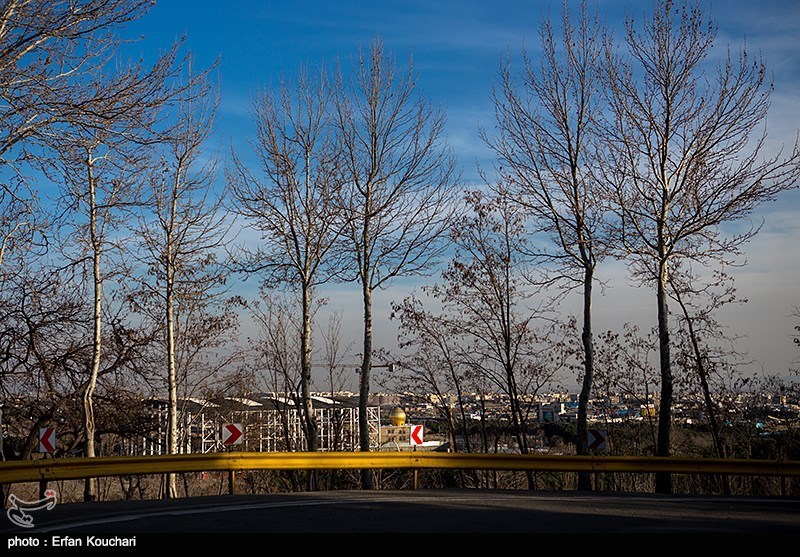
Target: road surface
410, 514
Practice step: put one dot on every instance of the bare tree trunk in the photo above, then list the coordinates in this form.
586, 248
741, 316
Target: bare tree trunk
702, 373
463, 414
305, 349
664, 479
520, 426
363, 391
305, 365
585, 478
7, 238
90, 485
170, 490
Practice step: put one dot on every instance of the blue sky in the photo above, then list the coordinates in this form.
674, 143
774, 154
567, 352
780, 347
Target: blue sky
457, 48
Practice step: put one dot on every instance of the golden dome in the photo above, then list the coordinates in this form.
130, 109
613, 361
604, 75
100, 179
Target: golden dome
397, 416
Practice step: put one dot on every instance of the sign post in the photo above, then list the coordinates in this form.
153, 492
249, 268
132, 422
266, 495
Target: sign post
232, 434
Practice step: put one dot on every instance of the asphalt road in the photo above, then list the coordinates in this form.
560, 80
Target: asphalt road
408, 514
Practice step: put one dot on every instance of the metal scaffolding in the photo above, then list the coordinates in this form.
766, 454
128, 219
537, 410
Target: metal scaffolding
276, 429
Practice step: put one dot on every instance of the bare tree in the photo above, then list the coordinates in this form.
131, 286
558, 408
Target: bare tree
488, 300
274, 351
334, 354
50, 56
98, 190
21, 219
401, 177
707, 344
336, 372
687, 158
295, 207
274, 354
102, 154
182, 229
625, 366
43, 330
434, 364
47, 346
47, 50
547, 148
705, 350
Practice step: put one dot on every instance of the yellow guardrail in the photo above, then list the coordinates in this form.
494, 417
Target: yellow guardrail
77, 468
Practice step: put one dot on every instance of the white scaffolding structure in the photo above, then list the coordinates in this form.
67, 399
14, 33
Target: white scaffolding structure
265, 429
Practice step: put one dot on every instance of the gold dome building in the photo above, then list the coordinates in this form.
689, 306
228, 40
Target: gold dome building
397, 417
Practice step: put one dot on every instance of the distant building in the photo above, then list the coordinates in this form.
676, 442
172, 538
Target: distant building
271, 423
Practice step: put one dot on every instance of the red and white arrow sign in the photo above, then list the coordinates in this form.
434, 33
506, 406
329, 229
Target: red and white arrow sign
416, 435
597, 439
232, 434
47, 440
